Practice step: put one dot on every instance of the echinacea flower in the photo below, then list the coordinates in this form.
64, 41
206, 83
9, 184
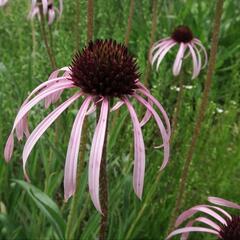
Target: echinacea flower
217, 221
183, 37
3, 2
102, 71
48, 9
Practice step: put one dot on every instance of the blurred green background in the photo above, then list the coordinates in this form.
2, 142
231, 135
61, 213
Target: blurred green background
27, 213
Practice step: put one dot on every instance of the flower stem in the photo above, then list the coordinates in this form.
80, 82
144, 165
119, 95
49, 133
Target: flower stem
90, 10
202, 111
177, 106
103, 187
129, 26
45, 39
152, 38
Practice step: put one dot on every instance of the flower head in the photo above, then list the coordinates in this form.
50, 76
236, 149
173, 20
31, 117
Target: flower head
183, 37
48, 9
217, 222
3, 2
102, 71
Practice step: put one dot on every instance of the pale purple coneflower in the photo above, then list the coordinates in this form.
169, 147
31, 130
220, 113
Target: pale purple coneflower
217, 221
102, 71
48, 8
3, 2
183, 37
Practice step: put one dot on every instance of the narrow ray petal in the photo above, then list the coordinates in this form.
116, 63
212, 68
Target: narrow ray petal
223, 202
191, 229
96, 155
195, 62
139, 152
8, 150
161, 128
42, 127
70, 171
178, 60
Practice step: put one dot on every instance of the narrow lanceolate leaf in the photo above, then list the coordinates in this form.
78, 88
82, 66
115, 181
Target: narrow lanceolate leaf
47, 206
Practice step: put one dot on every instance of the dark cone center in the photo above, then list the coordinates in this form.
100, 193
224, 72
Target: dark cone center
231, 231
105, 68
182, 34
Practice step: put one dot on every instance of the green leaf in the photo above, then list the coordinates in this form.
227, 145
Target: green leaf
47, 206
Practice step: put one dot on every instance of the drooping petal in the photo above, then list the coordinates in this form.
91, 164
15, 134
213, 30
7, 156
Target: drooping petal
51, 16
204, 220
96, 155
161, 128
139, 152
43, 126
8, 150
200, 208
195, 62
38, 98
116, 106
198, 42
70, 171
163, 53
191, 229
157, 50
45, 6
145, 92
178, 60
91, 109
223, 202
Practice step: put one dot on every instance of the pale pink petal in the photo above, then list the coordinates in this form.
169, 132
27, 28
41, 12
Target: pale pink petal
96, 155
178, 60
45, 6
139, 152
200, 208
163, 53
159, 106
117, 106
204, 220
38, 98
51, 16
70, 171
157, 49
195, 62
42, 127
8, 150
161, 128
223, 202
91, 109
198, 42
191, 229
199, 58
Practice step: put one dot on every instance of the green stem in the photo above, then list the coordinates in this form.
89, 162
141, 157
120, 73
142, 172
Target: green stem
201, 114
90, 10
77, 23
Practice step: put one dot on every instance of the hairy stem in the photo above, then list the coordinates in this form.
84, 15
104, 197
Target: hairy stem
45, 39
202, 111
104, 188
129, 25
90, 10
177, 106
152, 38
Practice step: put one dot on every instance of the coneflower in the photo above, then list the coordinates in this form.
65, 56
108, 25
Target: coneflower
100, 72
48, 8
184, 38
217, 221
